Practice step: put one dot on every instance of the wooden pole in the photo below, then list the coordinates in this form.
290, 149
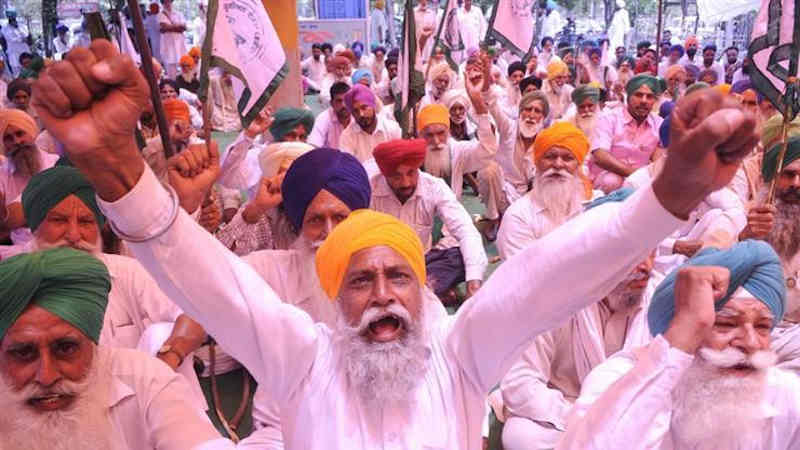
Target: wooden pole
658, 33
147, 68
784, 145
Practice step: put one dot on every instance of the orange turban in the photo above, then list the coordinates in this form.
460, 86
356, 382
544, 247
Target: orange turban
562, 134
176, 109
556, 67
691, 40
194, 52
432, 114
19, 119
365, 229
723, 88
187, 61
389, 155
348, 54
750, 96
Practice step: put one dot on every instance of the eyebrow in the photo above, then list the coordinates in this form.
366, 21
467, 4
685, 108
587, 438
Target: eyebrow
729, 313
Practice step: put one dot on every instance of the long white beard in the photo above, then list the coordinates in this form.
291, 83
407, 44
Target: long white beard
383, 373
585, 124
437, 161
715, 410
94, 249
85, 425
560, 197
529, 130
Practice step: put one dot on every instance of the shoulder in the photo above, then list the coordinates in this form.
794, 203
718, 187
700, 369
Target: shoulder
137, 370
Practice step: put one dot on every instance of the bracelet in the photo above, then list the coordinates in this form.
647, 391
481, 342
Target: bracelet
173, 216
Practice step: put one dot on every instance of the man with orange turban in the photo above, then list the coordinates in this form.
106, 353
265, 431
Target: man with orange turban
340, 68
418, 198
691, 56
181, 134
559, 189
187, 79
557, 89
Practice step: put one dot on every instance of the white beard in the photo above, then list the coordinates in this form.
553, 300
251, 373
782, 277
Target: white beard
529, 130
559, 197
585, 124
383, 373
94, 249
85, 425
437, 161
714, 410
622, 297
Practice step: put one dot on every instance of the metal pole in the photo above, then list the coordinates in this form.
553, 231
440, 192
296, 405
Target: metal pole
658, 33
147, 66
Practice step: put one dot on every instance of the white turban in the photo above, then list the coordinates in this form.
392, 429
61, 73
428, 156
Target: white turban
272, 157
620, 3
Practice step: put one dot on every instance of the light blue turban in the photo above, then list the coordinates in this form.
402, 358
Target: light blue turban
753, 265
620, 195
361, 73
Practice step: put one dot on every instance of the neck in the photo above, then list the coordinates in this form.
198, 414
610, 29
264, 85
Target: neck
639, 120
527, 142
371, 128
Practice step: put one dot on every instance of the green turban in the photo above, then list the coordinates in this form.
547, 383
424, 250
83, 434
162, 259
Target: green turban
657, 85
696, 86
770, 162
286, 119
49, 187
69, 283
585, 91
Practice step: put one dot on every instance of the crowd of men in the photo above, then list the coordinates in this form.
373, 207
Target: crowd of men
645, 293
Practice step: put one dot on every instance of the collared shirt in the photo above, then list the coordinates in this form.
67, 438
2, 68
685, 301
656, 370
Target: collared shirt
316, 69
626, 402
12, 184
327, 130
296, 361
360, 144
617, 132
433, 198
150, 406
523, 223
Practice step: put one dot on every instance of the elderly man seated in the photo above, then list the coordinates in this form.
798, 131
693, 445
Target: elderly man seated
59, 389
385, 374
584, 113
707, 380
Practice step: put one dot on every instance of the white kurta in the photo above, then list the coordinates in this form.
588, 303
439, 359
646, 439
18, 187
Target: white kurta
625, 402
432, 199
316, 69
620, 26
12, 184
151, 26
61, 47
523, 223
427, 18
15, 39
173, 43
471, 156
552, 24
296, 361
512, 155
327, 130
240, 167
360, 144
472, 26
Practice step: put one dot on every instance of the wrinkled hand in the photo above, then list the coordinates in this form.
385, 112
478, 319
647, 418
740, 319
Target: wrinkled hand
210, 214
261, 123
709, 136
192, 173
268, 197
475, 83
687, 248
760, 220
696, 290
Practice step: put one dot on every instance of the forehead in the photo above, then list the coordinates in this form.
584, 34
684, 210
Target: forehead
325, 202
376, 258
35, 323
643, 89
435, 128
793, 167
558, 151
745, 306
588, 102
70, 204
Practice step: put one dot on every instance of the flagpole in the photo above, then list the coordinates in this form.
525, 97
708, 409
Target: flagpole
149, 74
784, 144
658, 34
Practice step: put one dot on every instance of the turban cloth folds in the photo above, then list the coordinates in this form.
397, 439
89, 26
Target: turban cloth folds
361, 230
562, 134
585, 91
441, 69
454, 97
691, 40
770, 162
389, 155
276, 154
337, 172
19, 119
432, 114
753, 265
556, 68
674, 70
194, 52
361, 73
187, 60
620, 195
655, 84
49, 187
71, 284
358, 93
176, 109
286, 119
771, 130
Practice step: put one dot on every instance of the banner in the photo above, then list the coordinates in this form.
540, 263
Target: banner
241, 39
774, 49
512, 25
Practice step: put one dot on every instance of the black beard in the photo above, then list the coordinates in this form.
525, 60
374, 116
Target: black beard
691, 53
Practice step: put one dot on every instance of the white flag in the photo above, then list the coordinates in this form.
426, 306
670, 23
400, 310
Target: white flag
241, 39
125, 43
512, 25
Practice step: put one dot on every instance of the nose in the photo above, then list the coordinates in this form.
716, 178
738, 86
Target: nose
48, 373
73, 233
796, 180
381, 295
559, 163
748, 341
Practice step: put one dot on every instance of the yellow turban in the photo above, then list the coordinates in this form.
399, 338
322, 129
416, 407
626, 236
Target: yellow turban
19, 119
556, 67
562, 134
364, 229
433, 114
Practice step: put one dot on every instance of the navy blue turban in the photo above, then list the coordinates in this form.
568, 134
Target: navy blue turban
324, 168
753, 264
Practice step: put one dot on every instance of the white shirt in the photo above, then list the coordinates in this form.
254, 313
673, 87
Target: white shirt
552, 24
360, 144
523, 222
471, 156
377, 24
295, 361
151, 26
512, 155
12, 184
60, 46
626, 403
240, 167
472, 26
173, 43
327, 130
433, 198
15, 39
325, 87
316, 69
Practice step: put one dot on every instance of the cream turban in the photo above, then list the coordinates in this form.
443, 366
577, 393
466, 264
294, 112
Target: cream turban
276, 154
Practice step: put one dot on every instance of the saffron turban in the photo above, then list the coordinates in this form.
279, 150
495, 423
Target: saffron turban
655, 84
361, 73
585, 91
771, 130
176, 109
753, 265
187, 60
359, 93
770, 162
556, 68
691, 40
674, 70
194, 52
562, 134
351, 57
433, 114
723, 88
324, 168
49, 187
365, 229
389, 155
19, 119
272, 158
71, 284
286, 119
531, 97
340, 60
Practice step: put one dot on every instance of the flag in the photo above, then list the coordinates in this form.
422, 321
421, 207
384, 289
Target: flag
241, 40
774, 49
512, 25
412, 81
451, 41
125, 43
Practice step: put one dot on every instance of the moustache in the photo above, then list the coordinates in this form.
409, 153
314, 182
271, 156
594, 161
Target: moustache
557, 173
733, 358
376, 313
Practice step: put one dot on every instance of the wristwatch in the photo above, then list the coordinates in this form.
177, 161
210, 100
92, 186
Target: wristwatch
166, 348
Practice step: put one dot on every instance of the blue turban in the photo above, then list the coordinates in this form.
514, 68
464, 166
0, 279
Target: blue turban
666, 109
361, 73
741, 86
677, 47
620, 195
663, 131
335, 171
358, 49
753, 265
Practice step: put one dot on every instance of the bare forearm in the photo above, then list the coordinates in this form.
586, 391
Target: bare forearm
187, 335
607, 161
114, 173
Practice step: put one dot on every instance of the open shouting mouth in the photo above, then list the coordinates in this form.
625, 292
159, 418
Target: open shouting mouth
386, 328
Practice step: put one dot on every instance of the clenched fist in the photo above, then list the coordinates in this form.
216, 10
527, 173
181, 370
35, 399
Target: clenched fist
697, 288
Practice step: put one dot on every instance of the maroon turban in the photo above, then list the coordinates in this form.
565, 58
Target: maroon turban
389, 155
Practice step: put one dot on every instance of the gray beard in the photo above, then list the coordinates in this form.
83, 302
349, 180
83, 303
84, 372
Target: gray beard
383, 373
560, 198
437, 162
86, 425
623, 298
585, 125
785, 235
26, 161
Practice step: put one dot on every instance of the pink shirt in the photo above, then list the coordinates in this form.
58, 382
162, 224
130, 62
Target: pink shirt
631, 143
